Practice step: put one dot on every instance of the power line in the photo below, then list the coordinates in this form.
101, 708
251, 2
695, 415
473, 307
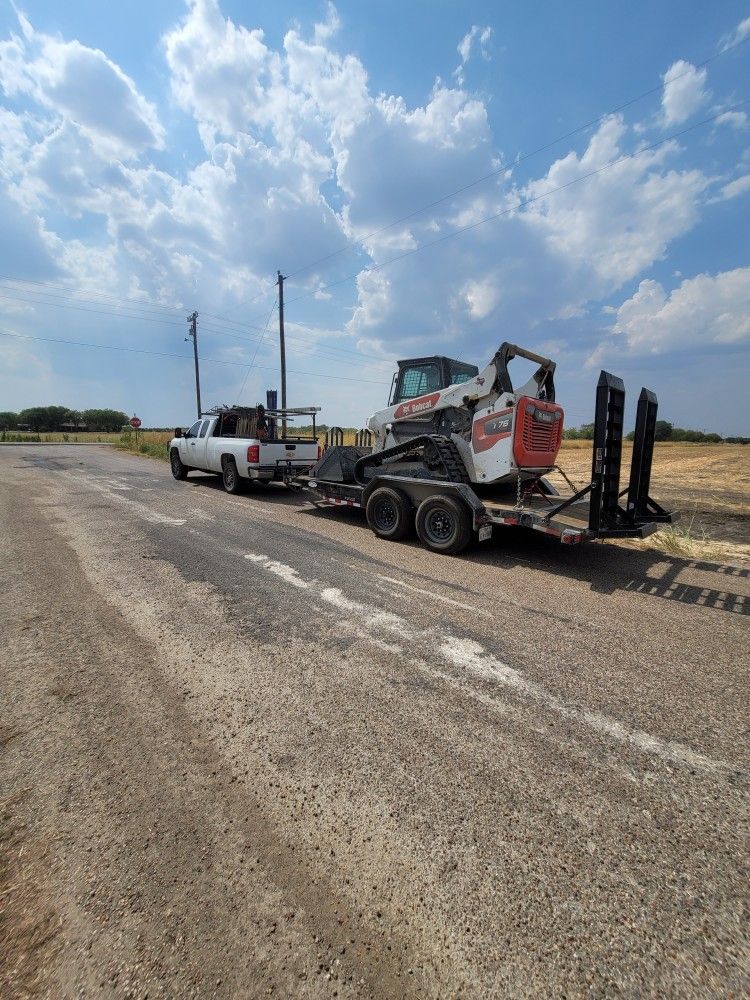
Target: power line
352, 244
521, 204
255, 355
144, 306
25, 295
133, 312
183, 357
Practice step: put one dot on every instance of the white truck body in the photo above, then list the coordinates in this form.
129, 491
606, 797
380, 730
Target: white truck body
202, 449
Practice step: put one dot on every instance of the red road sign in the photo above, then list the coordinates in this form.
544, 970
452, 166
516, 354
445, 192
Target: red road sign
135, 422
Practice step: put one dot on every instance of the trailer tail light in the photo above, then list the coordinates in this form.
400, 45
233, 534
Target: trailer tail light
253, 453
537, 433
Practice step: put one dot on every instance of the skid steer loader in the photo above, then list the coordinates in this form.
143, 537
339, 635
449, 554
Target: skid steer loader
458, 450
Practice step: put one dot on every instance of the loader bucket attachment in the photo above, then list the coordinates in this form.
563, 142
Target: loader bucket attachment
337, 464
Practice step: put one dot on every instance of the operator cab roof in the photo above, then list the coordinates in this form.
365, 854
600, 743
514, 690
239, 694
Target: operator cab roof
418, 376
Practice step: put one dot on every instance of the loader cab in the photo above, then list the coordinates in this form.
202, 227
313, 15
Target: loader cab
419, 376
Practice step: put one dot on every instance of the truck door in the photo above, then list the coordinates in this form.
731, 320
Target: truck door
198, 447
188, 443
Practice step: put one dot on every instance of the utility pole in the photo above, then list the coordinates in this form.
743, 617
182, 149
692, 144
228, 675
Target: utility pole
282, 350
193, 335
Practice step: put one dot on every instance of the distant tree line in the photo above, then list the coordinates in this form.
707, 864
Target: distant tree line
58, 418
665, 431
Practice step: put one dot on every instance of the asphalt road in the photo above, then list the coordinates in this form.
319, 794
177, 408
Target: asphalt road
248, 749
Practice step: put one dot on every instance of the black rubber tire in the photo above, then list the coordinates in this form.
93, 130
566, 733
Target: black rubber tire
444, 524
230, 477
179, 471
389, 513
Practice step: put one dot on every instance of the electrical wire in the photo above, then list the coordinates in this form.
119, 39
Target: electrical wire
184, 357
26, 296
255, 355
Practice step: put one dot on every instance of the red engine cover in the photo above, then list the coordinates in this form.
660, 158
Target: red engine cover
537, 433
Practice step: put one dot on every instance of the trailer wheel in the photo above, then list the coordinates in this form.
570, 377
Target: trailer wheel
179, 471
444, 524
230, 477
389, 513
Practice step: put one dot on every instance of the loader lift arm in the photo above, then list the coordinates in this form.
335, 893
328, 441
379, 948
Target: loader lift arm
544, 376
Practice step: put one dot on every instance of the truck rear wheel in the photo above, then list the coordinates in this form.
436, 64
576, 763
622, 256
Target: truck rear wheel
444, 524
179, 471
389, 513
230, 477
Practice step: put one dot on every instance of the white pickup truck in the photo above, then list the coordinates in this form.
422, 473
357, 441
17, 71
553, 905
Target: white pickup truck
242, 444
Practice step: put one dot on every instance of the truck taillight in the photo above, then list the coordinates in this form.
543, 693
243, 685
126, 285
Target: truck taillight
253, 453
320, 452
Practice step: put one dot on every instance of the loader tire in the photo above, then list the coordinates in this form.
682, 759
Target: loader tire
444, 524
179, 471
230, 477
389, 513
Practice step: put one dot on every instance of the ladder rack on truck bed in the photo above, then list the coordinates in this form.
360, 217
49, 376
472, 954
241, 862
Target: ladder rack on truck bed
449, 513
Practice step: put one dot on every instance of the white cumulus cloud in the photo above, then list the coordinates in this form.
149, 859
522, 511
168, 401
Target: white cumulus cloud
684, 92
701, 311
476, 36
740, 33
82, 85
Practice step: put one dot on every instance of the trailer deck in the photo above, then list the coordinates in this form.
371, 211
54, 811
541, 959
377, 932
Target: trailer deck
600, 510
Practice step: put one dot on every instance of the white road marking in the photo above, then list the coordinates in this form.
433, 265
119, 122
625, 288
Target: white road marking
134, 506
371, 618
474, 659
287, 573
431, 593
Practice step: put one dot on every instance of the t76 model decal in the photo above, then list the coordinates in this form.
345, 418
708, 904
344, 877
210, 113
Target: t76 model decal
413, 407
487, 431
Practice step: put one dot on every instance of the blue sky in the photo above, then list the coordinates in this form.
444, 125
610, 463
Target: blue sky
171, 156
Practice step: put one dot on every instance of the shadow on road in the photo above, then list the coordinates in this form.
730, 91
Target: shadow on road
607, 568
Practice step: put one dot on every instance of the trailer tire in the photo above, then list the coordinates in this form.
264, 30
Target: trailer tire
444, 524
230, 477
179, 471
389, 513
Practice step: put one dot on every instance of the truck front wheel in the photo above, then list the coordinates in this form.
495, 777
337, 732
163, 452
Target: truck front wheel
179, 471
444, 524
230, 477
389, 513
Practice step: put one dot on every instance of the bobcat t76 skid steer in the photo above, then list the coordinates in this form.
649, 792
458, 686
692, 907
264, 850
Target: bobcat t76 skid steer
458, 451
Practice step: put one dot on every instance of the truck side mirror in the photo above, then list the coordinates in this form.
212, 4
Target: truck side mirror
178, 432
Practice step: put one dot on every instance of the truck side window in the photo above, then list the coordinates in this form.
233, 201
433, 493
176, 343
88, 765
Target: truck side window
204, 428
193, 432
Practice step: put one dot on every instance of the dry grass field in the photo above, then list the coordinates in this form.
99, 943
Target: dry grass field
709, 485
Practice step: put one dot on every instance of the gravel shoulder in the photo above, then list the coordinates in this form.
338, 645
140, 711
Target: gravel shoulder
248, 749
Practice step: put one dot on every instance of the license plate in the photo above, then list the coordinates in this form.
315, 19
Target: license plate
485, 533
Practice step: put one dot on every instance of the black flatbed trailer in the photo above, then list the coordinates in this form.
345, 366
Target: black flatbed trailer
596, 511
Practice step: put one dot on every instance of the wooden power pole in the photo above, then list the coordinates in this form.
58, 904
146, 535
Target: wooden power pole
282, 350
193, 335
